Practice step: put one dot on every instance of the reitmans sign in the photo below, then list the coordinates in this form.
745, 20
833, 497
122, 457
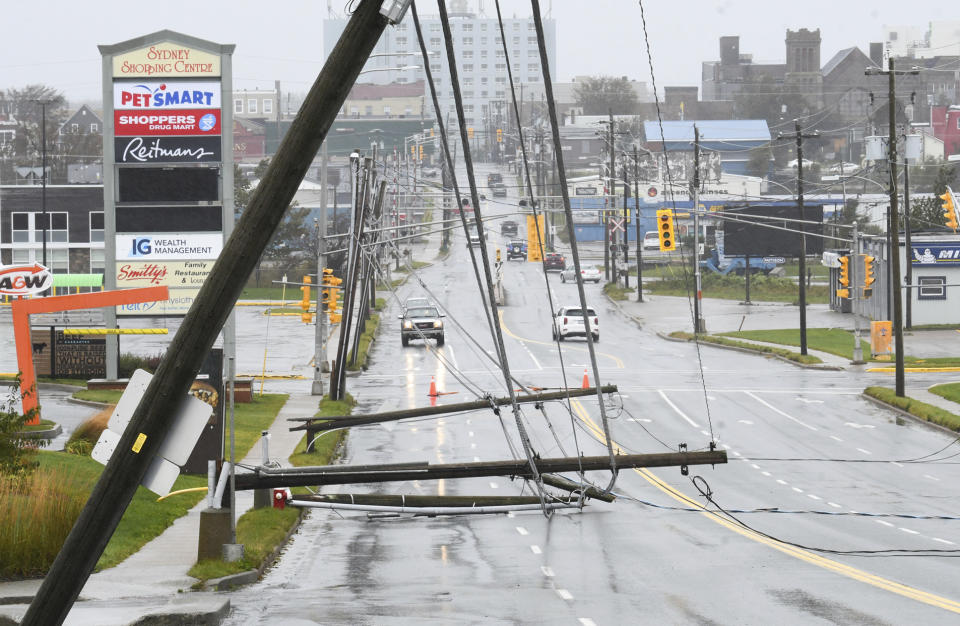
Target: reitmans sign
205, 149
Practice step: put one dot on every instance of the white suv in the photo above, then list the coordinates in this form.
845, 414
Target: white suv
569, 322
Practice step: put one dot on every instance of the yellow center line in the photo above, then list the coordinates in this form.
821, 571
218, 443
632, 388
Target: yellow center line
616, 360
798, 553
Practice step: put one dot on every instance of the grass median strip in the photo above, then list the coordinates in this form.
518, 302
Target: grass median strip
831, 340
724, 341
922, 410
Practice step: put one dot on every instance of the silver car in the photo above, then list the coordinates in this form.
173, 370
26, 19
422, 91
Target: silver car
587, 272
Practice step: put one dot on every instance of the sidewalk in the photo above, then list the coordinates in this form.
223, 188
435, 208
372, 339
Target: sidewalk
148, 582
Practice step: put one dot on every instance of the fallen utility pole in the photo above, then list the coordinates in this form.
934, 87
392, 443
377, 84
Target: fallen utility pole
391, 499
153, 418
317, 424
263, 478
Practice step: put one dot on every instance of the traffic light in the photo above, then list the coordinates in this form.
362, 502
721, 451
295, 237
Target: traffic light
868, 277
499, 135
949, 209
326, 291
306, 317
421, 152
665, 229
413, 152
334, 295
844, 291
470, 132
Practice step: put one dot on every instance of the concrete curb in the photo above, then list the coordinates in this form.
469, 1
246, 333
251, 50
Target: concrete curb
50, 433
619, 307
907, 414
90, 403
811, 366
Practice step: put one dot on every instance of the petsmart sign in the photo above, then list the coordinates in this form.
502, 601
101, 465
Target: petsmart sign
154, 247
155, 95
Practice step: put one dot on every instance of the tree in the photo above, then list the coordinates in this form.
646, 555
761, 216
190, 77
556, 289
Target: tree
927, 213
16, 449
759, 162
27, 107
598, 95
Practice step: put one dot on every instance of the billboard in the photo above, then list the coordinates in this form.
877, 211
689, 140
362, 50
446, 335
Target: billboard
771, 231
138, 149
154, 247
174, 274
180, 122
166, 59
137, 219
157, 95
168, 184
939, 254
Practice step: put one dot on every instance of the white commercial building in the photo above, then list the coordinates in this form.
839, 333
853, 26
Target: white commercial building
481, 64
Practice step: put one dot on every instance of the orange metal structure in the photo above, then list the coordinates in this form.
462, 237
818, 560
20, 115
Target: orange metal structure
21, 310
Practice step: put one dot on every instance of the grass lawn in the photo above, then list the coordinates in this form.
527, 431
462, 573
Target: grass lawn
832, 340
373, 324
36, 522
106, 396
950, 391
262, 530
616, 292
250, 418
919, 409
806, 359
762, 288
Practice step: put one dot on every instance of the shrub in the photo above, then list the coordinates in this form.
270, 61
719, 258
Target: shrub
86, 434
16, 447
129, 363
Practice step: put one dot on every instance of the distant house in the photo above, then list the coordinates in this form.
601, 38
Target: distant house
83, 122
8, 131
727, 141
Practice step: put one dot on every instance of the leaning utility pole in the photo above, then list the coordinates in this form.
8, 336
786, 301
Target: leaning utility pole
611, 237
320, 331
802, 270
636, 194
893, 221
151, 421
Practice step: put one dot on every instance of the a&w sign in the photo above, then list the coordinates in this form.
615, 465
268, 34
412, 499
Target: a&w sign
24, 280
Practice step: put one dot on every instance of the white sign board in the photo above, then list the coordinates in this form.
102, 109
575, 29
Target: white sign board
174, 247
165, 95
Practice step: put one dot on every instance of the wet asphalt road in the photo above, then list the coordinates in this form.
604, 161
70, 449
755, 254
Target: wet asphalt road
802, 442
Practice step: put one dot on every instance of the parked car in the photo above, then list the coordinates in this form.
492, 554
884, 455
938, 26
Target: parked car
494, 177
508, 228
517, 249
569, 322
498, 190
588, 273
422, 322
651, 240
554, 261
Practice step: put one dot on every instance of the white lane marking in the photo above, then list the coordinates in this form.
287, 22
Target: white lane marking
949, 543
711, 397
586, 621
897, 464
522, 530
533, 358
735, 453
835, 438
810, 495
798, 489
494, 485
862, 450
808, 401
747, 422
754, 466
470, 433
473, 446
674, 407
566, 595
638, 419
776, 410
536, 550
834, 505
931, 477
907, 530
469, 421
884, 522
453, 357
782, 482
547, 571
765, 473
704, 433
856, 425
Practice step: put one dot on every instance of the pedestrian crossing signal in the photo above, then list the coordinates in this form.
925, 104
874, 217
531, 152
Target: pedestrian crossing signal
668, 242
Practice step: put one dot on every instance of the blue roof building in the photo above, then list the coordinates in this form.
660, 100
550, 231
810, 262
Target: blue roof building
733, 140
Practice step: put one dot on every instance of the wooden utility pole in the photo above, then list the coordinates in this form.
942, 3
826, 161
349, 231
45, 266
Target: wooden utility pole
264, 478
893, 221
802, 270
698, 325
639, 236
153, 417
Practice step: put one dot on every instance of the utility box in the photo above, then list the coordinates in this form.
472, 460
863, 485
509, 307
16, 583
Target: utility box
881, 336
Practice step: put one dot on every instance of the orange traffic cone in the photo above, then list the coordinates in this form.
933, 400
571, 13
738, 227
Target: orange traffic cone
433, 388
586, 379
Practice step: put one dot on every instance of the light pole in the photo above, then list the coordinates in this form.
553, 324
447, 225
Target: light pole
43, 174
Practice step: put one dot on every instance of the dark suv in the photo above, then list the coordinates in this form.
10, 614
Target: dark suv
554, 261
508, 228
516, 249
422, 322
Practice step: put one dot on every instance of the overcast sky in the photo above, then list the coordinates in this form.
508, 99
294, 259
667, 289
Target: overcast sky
56, 44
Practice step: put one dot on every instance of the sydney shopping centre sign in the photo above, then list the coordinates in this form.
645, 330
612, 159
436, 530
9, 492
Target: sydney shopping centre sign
166, 59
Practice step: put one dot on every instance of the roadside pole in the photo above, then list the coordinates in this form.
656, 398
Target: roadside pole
636, 194
698, 324
855, 283
320, 331
152, 419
